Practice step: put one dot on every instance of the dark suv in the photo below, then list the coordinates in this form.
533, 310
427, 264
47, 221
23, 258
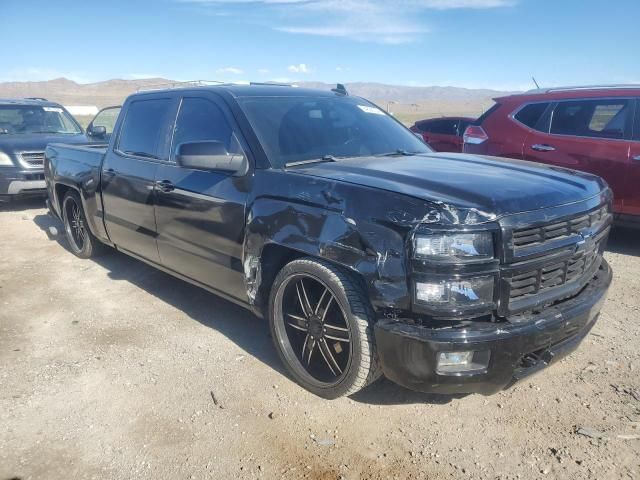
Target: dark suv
593, 129
26, 127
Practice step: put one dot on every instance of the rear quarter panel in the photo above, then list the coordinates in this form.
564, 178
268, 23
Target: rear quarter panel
77, 167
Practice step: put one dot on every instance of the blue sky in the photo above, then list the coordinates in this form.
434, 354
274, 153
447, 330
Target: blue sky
468, 43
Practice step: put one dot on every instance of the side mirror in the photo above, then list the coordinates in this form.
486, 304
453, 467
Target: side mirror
209, 155
97, 131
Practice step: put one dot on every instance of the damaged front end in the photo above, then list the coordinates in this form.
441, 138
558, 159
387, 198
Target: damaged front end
462, 304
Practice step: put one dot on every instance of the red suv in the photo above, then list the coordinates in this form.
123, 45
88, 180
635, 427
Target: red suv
443, 134
593, 129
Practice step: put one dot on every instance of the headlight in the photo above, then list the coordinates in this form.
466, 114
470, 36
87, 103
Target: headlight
454, 247
456, 293
5, 160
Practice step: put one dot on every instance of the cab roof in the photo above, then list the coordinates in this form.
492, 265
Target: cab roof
252, 90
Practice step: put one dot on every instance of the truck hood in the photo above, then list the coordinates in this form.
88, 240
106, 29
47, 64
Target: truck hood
12, 144
493, 185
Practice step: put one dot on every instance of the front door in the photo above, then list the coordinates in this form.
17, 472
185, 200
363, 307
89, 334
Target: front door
631, 200
590, 135
200, 214
128, 176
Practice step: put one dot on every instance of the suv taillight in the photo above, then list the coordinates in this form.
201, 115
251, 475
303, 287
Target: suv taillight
475, 134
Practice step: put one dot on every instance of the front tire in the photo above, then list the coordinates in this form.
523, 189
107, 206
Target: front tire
321, 323
81, 241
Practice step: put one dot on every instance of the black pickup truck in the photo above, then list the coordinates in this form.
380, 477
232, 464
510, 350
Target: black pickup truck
368, 253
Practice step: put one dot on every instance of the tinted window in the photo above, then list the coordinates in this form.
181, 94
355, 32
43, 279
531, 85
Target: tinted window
530, 114
292, 129
424, 125
201, 120
445, 127
143, 127
591, 118
636, 128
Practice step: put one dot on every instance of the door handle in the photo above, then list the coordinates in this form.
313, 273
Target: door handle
109, 172
165, 186
542, 147
636, 158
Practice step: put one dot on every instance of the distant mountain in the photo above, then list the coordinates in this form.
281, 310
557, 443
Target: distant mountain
407, 101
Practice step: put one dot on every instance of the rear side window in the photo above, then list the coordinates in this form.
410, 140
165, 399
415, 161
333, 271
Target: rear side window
144, 125
444, 127
591, 118
424, 126
463, 126
531, 114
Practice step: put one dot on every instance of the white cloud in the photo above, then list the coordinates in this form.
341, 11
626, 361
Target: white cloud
300, 68
230, 70
389, 22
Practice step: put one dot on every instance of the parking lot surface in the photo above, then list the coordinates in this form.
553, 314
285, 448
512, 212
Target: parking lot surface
110, 369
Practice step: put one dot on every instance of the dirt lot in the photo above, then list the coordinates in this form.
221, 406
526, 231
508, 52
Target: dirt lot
111, 369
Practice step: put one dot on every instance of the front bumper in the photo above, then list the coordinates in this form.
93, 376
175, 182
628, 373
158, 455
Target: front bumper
15, 181
408, 353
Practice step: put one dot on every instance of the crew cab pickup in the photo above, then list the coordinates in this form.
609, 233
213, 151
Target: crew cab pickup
368, 253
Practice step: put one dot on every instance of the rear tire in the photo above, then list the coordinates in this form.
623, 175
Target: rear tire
321, 324
81, 241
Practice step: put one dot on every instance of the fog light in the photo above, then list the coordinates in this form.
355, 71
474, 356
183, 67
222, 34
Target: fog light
450, 363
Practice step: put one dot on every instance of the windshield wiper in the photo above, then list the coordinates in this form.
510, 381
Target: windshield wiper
324, 158
398, 153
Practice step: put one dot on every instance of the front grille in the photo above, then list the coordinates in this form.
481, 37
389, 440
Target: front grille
535, 236
553, 275
32, 159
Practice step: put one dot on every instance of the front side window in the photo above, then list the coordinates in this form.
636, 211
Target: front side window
35, 119
201, 120
142, 131
293, 129
531, 114
106, 118
591, 118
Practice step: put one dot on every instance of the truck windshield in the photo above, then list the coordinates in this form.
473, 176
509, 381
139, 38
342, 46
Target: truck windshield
295, 129
34, 119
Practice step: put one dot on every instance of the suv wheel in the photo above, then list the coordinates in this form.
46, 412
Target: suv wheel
321, 323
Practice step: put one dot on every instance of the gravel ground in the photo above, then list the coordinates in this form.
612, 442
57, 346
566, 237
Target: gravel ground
111, 369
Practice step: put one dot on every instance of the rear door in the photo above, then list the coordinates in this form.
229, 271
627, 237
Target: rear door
200, 214
631, 200
128, 174
591, 135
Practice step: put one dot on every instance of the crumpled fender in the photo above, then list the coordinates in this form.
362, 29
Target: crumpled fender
349, 225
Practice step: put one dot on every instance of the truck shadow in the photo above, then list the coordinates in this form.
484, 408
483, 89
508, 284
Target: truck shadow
624, 241
238, 324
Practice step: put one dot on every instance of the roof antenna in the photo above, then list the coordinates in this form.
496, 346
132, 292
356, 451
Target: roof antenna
534, 81
340, 90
